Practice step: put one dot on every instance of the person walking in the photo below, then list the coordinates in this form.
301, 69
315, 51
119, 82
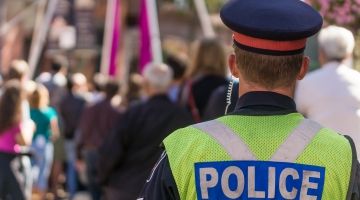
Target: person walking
55, 81
47, 131
265, 149
70, 108
178, 66
335, 87
95, 124
132, 148
13, 176
19, 70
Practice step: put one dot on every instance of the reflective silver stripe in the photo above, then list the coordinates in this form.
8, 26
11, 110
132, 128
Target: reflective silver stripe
229, 140
289, 151
163, 155
297, 141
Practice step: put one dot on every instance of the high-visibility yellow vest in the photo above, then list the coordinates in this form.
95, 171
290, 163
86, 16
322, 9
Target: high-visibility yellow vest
259, 157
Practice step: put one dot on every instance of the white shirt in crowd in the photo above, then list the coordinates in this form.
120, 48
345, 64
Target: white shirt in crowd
331, 96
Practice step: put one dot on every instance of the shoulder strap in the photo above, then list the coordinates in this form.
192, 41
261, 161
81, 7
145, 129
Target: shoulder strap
297, 141
289, 151
229, 140
354, 183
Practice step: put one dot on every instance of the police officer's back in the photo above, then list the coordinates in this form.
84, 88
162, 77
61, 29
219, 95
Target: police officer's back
265, 149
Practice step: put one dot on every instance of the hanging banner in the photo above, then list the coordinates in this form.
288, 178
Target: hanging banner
111, 38
145, 45
115, 40
150, 49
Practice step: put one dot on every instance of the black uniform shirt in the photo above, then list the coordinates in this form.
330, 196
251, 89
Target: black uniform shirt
161, 183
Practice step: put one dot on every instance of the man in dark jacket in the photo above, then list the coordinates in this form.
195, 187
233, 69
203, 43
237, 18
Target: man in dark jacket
130, 152
71, 107
95, 123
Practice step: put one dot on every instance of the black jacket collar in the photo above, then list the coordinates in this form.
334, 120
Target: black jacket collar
264, 103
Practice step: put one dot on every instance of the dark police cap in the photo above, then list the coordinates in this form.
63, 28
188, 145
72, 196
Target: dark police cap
273, 27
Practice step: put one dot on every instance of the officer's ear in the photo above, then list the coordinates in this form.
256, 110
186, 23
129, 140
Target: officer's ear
233, 66
304, 68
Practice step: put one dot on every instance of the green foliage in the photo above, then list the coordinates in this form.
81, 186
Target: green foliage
214, 5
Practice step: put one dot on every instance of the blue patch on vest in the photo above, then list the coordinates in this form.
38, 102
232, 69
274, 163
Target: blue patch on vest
258, 180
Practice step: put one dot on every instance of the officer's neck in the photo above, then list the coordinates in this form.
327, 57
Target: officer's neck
245, 87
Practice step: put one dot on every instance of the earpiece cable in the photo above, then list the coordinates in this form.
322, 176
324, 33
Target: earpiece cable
228, 95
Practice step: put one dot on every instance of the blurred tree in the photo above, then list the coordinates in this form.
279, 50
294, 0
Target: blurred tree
344, 13
214, 5
340, 12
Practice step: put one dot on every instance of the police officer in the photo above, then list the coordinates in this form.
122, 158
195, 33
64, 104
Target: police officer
265, 149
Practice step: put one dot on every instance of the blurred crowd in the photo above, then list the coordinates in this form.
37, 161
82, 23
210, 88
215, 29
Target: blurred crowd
67, 133
64, 132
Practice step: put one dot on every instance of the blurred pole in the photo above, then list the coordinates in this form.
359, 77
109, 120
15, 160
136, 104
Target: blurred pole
150, 50
145, 46
107, 41
154, 31
182, 4
3, 11
41, 37
205, 21
38, 24
6, 27
115, 40
2, 22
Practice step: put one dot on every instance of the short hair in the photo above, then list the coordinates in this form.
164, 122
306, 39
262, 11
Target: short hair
18, 70
99, 81
209, 58
39, 98
336, 42
78, 79
268, 71
75, 80
177, 65
111, 88
135, 84
59, 62
158, 76
56, 66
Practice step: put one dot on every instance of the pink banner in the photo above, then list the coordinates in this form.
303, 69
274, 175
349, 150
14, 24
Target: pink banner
115, 39
145, 45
